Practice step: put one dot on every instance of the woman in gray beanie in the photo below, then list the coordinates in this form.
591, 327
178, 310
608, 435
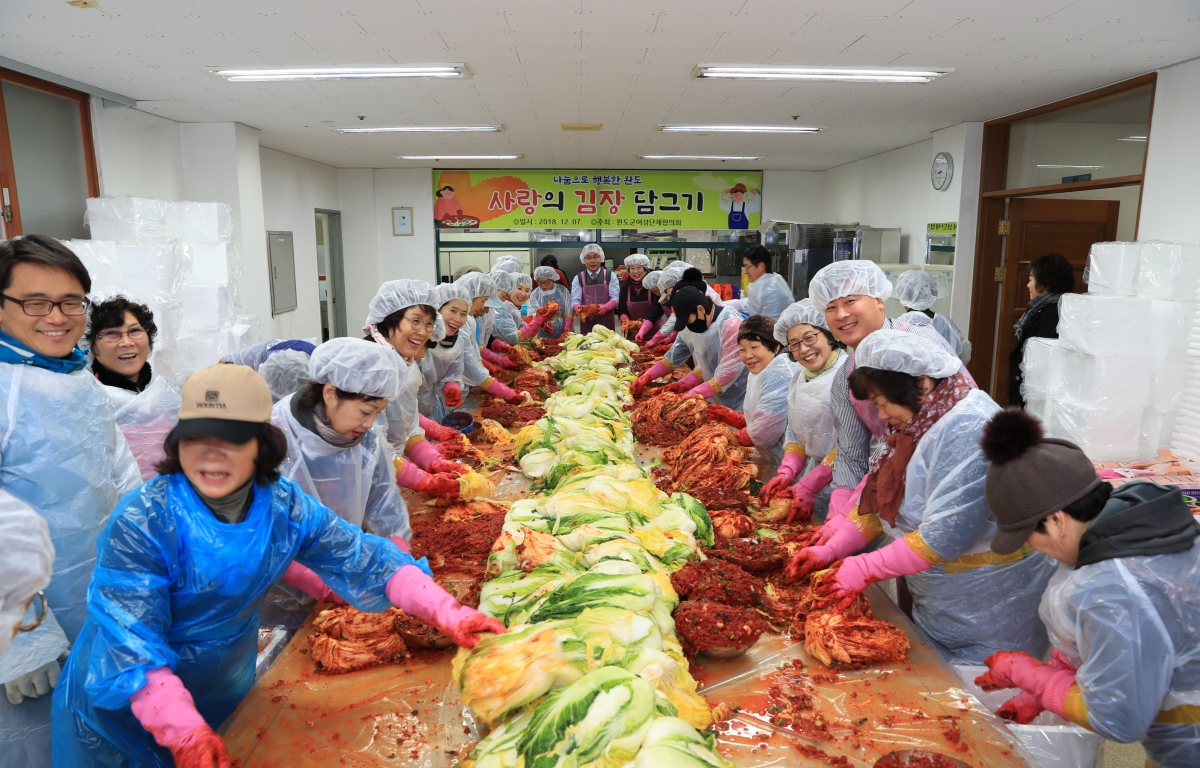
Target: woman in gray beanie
1123, 612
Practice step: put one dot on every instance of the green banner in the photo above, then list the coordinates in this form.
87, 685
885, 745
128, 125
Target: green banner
517, 199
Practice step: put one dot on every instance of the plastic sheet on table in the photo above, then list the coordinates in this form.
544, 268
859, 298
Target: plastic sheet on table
917, 704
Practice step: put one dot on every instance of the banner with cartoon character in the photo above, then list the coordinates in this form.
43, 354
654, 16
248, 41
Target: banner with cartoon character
519, 199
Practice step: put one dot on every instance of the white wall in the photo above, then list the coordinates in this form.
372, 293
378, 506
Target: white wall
292, 189
793, 196
372, 253
1171, 188
137, 153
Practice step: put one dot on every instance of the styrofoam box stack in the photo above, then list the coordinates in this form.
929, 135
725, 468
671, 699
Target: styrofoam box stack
1168, 271
128, 218
1041, 376
1185, 440
1111, 268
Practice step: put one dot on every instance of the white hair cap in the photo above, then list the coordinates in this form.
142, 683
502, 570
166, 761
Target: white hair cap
505, 281
891, 350
358, 366
916, 289
802, 311
591, 248
545, 273
477, 284
26, 561
848, 278
651, 280
525, 280
286, 371
508, 264
397, 295
444, 293
637, 260
913, 318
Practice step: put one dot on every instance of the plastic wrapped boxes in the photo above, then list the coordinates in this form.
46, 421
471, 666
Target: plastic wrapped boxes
1170, 326
128, 218
206, 308
1041, 368
1105, 433
1111, 268
1103, 325
213, 264
1168, 271
1118, 381
206, 223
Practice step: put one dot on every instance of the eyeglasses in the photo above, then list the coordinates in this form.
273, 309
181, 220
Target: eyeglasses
114, 336
43, 307
807, 340
417, 325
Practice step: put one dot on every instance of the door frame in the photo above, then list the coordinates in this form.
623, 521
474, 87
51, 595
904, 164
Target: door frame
990, 242
336, 279
7, 173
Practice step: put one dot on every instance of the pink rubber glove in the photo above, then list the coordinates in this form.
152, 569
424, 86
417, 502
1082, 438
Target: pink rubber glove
400, 542
705, 390
165, 708
641, 334
1024, 708
452, 392
530, 329
656, 370
791, 464
411, 476
436, 431
624, 318
842, 542
857, 573
607, 307
310, 584
411, 590
686, 383
501, 346
1016, 669
443, 485
744, 439
504, 392
446, 466
575, 309
497, 360
843, 500
810, 486
655, 340
423, 453
492, 368
670, 339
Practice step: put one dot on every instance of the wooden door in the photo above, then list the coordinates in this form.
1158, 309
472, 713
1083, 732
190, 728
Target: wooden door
1036, 227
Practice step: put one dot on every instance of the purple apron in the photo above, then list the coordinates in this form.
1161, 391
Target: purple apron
638, 310
595, 293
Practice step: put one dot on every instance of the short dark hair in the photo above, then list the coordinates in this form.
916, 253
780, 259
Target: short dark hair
760, 328
272, 450
314, 393
834, 344
1086, 508
392, 322
39, 249
443, 189
899, 388
550, 260
759, 255
111, 314
1052, 272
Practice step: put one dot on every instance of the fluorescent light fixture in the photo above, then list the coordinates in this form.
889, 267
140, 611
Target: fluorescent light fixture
700, 157
425, 129
835, 74
741, 128
459, 157
339, 73
1133, 138
1073, 167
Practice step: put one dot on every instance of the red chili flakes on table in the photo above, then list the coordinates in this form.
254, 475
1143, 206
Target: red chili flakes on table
812, 753
704, 626
717, 581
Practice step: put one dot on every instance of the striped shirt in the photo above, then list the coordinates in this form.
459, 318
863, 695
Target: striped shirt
853, 438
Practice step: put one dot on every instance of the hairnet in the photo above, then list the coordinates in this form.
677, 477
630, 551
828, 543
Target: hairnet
545, 273
444, 293
848, 278
508, 264
591, 248
802, 311
651, 280
358, 366
679, 266
26, 561
916, 289
669, 278
505, 281
285, 372
525, 280
398, 295
477, 284
891, 350
637, 260
914, 318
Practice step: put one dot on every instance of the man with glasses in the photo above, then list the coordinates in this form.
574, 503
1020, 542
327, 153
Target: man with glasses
62, 454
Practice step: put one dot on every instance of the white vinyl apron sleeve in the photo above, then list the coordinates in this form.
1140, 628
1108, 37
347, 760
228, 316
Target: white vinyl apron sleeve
146, 418
474, 374
953, 336
401, 414
810, 412
715, 355
766, 409
484, 324
552, 328
503, 326
440, 366
1131, 625
768, 295
975, 612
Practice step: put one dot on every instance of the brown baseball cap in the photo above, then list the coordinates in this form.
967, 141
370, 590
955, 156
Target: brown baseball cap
228, 402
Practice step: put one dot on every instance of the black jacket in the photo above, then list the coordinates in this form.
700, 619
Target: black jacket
1139, 519
1043, 323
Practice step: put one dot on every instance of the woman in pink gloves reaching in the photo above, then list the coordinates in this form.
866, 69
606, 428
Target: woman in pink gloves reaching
170, 643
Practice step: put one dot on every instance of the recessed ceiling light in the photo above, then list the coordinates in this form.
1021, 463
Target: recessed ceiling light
425, 129
1133, 138
741, 128
339, 73
700, 157
1080, 167
838, 74
459, 157
582, 126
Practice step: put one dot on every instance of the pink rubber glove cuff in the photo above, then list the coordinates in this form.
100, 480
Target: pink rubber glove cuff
166, 709
806, 491
501, 346
424, 454
410, 475
791, 464
1056, 691
896, 559
493, 358
607, 307
502, 391
311, 584
705, 390
845, 541
530, 329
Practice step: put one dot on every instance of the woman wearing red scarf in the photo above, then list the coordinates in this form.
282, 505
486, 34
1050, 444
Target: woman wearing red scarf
925, 494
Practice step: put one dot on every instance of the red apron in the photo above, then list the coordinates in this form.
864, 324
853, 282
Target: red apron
595, 293
638, 310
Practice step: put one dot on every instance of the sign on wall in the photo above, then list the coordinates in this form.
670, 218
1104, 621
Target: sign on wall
518, 199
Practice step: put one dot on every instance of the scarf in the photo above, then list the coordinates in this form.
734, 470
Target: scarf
885, 483
231, 509
317, 422
831, 361
13, 351
1035, 307
110, 378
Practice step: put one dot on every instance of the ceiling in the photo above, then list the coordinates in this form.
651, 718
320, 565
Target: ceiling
624, 64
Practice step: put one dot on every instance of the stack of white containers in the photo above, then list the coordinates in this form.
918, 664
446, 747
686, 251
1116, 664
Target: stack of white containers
177, 258
1113, 382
